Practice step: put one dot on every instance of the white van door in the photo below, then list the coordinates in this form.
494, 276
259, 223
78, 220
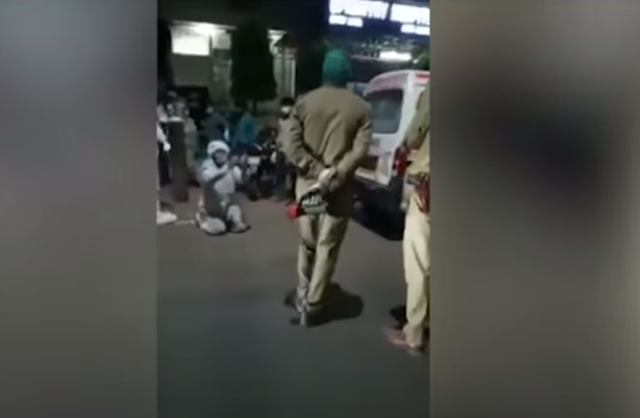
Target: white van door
393, 97
386, 124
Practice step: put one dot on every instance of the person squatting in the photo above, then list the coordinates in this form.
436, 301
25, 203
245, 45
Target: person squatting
219, 211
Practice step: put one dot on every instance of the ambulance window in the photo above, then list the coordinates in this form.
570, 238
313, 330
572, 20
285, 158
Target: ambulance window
386, 107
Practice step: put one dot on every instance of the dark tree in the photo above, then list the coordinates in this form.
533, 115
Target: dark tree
424, 62
165, 73
423, 58
311, 27
252, 77
309, 61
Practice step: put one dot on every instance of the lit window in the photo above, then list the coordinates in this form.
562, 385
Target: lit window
196, 44
413, 29
394, 56
360, 8
191, 38
423, 30
403, 13
337, 20
355, 22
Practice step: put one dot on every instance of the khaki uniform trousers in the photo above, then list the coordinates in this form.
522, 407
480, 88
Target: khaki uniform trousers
415, 248
321, 238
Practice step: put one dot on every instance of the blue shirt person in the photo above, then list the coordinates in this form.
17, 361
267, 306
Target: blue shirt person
245, 132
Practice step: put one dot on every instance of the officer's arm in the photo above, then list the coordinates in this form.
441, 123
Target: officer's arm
160, 135
293, 145
358, 152
420, 123
237, 175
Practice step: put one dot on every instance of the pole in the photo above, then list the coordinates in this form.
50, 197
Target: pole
178, 161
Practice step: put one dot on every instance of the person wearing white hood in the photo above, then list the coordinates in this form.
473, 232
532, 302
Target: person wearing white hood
219, 211
163, 217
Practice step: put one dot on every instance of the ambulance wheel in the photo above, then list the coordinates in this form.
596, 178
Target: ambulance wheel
389, 223
370, 213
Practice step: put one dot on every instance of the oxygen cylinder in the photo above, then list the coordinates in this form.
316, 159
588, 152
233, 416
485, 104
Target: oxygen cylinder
311, 203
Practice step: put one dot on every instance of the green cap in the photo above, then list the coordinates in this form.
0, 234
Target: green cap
336, 70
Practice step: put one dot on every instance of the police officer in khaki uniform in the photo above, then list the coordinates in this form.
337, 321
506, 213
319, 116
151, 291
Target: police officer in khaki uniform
325, 139
416, 234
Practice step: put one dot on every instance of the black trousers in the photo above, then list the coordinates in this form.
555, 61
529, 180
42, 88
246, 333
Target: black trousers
285, 177
280, 171
292, 175
164, 172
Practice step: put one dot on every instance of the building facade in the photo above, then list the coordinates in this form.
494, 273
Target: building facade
380, 35
201, 42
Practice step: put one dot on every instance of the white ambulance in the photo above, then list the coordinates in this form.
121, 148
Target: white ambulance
381, 177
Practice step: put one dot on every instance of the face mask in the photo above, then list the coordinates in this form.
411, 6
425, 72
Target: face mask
285, 112
220, 157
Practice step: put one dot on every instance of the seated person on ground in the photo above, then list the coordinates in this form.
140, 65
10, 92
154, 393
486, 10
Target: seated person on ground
219, 211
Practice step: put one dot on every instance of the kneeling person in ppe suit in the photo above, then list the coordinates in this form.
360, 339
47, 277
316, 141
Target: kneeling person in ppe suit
325, 139
416, 234
219, 211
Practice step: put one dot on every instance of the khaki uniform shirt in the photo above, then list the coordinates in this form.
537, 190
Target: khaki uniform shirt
328, 127
417, 138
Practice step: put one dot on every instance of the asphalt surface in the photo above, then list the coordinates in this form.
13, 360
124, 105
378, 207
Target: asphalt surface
226, 347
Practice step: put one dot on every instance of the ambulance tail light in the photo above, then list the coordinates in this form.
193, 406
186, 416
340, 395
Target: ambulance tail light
401, 161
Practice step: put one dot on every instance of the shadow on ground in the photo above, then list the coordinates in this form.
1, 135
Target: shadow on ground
341, 305
226, 349
380, 224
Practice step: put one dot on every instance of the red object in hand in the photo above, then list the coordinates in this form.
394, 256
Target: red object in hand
294, 211
424, 194
312, 203
401, 160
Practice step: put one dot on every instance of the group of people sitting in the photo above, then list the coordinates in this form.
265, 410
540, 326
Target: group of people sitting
215, 144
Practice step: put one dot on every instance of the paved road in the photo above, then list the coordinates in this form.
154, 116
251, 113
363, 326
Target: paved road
226, 349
